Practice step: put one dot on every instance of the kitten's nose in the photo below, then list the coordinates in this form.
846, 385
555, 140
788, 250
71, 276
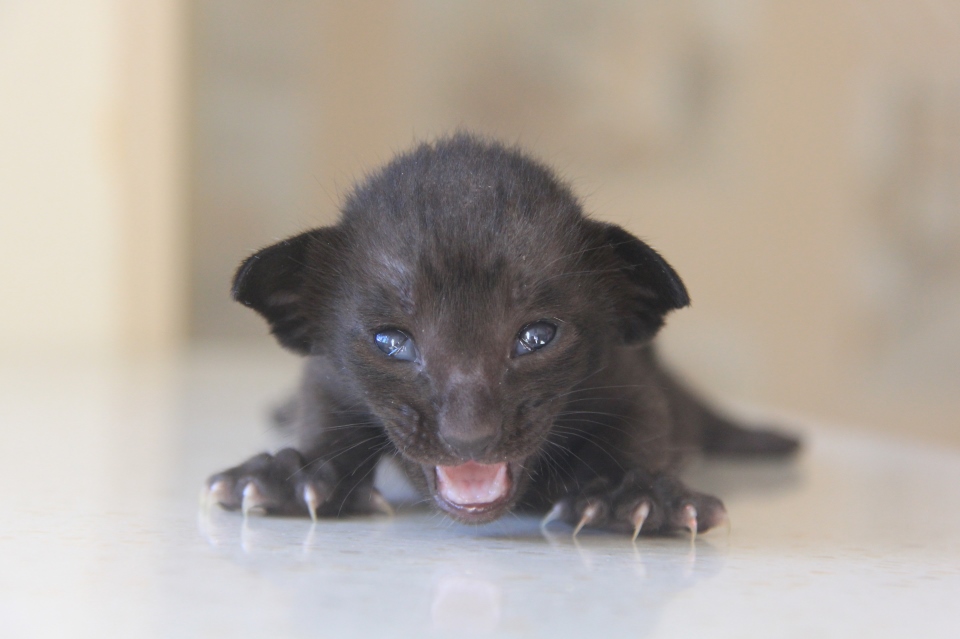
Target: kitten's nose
469, 421
469, 447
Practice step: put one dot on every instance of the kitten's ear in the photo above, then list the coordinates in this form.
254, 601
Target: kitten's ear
652, 290
287, 283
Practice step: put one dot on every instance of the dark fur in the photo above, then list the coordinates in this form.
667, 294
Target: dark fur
461, 243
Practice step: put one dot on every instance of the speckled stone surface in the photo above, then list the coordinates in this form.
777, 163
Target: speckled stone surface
101, 534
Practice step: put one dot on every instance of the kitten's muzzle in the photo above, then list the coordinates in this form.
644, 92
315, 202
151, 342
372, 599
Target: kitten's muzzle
469, 447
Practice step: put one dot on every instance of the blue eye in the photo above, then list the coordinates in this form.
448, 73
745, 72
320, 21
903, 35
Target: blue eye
533, 337
397, 344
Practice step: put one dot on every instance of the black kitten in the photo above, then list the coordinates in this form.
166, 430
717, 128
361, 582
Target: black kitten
465, 317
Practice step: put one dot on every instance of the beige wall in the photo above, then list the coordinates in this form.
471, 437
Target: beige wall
89, 174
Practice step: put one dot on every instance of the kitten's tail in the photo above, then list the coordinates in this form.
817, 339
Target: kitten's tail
718, 435
722, 437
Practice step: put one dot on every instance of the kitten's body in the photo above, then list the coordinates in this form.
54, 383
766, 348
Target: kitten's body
466, 317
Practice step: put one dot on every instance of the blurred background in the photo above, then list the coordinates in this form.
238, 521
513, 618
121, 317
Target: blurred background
797, 161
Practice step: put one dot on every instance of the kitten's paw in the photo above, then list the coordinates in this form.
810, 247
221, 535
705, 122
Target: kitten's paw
640, 504
287, 484
280, 484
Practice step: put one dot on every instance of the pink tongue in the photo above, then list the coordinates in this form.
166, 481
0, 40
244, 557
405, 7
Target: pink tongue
472, 483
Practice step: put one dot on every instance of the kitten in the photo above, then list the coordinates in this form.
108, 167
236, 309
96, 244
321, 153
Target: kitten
465, 317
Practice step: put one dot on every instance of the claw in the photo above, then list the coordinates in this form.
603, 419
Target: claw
725, 522
590, 513
216, 493
640, 515
555, 513
310, 497
252, 500
380, 503
690, 520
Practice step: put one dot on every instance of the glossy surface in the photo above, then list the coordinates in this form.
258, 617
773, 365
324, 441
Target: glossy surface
101, 534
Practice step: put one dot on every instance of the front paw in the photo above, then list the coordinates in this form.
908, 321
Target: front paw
640, 503
286, 484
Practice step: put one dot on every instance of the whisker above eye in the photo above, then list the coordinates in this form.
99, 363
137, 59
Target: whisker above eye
599, 388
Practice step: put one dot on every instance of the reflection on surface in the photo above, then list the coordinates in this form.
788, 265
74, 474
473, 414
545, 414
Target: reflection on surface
466, 604
421, 571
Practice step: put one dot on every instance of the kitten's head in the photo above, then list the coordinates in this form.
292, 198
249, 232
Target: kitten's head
464, 294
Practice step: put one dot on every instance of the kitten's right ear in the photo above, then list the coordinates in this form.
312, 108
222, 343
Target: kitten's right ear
274, 282
648, 287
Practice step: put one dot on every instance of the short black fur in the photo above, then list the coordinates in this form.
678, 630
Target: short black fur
460, 244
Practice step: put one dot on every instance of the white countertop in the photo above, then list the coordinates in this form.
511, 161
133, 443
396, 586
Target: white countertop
101, 535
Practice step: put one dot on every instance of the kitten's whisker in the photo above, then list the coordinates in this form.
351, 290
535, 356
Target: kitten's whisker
326, 460
378, 450
596, 388
603, 449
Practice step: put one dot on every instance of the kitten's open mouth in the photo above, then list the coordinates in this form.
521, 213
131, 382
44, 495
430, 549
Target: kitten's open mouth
471, 490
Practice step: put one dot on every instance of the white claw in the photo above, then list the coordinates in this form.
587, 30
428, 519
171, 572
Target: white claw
726, 522
380, 503
639, 516
216, 493
311, 498
555, 513
252, 500
690, 520
589, 514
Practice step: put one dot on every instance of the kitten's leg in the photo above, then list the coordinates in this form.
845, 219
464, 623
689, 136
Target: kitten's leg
332, 481
641, 503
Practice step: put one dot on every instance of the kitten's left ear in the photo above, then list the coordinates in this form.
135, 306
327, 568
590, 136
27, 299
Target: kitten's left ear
652, 288
291, 284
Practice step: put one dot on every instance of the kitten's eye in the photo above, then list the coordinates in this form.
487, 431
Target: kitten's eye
397, 344
533, 337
